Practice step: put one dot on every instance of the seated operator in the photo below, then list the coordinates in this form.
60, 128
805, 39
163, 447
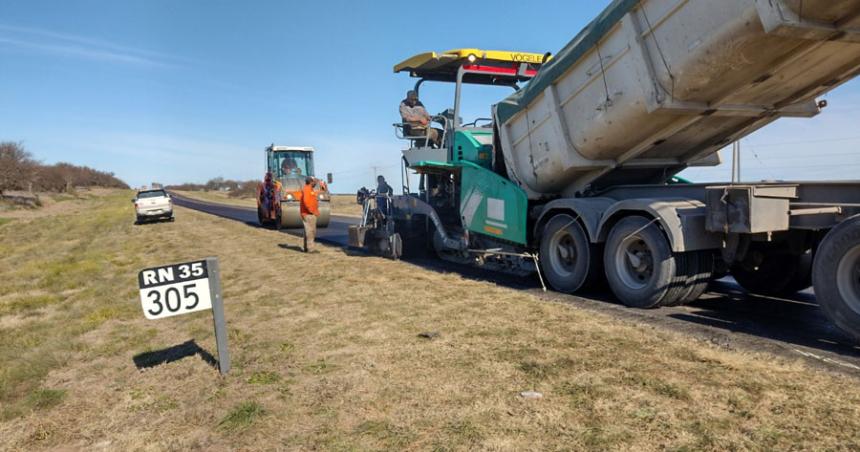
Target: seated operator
289, 166
416, 120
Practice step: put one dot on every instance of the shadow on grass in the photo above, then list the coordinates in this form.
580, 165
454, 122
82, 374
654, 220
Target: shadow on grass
174, 353
291, 247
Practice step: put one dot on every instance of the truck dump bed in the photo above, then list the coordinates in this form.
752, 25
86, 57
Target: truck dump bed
652, 86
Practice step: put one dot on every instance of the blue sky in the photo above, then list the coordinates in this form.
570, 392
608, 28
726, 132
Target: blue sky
176, 91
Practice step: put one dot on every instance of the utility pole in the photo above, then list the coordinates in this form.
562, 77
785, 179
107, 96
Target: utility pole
736, 162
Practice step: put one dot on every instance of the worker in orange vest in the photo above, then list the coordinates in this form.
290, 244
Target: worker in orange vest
309, 209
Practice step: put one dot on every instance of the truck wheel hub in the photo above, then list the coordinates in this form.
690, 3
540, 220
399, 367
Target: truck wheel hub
635, 262
565, 253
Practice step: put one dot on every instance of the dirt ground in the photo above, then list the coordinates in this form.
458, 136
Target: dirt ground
344, 205
352, 352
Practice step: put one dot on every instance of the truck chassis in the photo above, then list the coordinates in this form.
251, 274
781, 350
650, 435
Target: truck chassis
661, 245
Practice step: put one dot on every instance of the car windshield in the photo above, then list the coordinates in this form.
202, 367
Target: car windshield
293, 163
151, 194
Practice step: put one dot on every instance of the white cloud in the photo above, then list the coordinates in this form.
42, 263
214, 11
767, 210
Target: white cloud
62, 44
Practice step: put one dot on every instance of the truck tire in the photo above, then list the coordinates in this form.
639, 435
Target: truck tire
640, 267
700, 271
771, 271
568, 260
836, 276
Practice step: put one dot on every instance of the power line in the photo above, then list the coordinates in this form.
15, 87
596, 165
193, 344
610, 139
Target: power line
832, 165
818, 155
364, 169
787, 143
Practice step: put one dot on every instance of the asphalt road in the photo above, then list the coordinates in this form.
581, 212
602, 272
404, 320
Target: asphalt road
726, 316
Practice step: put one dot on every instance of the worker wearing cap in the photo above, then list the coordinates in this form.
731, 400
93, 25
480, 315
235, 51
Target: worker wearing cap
416, 120
309, 209
383, 192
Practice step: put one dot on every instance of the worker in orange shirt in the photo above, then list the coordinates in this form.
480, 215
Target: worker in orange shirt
309, 209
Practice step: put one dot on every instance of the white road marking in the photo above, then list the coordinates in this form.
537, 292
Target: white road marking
827, 360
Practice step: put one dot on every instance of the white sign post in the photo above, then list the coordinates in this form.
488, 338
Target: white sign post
177, 289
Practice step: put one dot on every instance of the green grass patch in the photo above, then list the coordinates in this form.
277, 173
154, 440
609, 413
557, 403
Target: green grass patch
68, 274
242, 416
264, 378
391, 436
583, 395
25, 371
36, 400
42, 399
28, 303
538, 371
464, 432
657, 386
5, 221
287, 348
320, 367
102, 315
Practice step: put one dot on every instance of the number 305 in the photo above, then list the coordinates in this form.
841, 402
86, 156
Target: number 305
173, 299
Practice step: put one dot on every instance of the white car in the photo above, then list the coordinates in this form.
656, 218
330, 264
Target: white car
153, 204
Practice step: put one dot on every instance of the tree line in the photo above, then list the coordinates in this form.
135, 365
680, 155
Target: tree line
234, 188
20, 171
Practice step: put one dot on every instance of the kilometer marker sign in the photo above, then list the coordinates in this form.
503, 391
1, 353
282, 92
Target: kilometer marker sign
176, 289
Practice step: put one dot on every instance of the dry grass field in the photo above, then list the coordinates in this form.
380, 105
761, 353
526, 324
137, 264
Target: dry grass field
341, 204
327, 354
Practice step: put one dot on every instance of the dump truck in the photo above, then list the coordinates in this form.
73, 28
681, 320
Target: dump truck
278, 194
575, 173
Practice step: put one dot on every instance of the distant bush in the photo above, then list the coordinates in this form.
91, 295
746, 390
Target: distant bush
234, 188
245, 189
19, 171
187, 187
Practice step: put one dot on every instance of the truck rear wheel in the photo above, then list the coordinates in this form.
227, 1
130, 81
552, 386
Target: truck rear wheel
641, 269
567, 259
699, 271
768, 270
836, 276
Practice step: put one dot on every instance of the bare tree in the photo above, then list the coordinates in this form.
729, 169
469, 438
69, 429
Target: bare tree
17, 167
18, 171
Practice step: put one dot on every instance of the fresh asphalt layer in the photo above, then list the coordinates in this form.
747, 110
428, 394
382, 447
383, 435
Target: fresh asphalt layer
726, 316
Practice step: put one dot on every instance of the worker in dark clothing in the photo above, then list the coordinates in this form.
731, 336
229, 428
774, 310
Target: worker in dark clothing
383, 192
